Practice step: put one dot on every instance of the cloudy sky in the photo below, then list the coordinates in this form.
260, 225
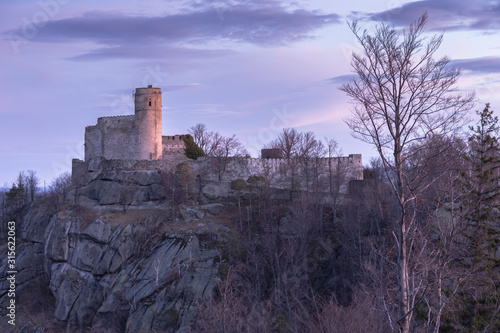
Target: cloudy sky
244, 67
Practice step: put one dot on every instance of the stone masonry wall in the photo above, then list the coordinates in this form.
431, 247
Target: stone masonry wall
112, 137
281, 171
277, 170
173, 145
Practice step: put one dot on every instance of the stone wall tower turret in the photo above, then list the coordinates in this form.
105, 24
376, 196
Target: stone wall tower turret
148, 122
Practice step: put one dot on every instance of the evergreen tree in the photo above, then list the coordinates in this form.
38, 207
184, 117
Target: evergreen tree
192, 150
480, 301
18, 192
482, 183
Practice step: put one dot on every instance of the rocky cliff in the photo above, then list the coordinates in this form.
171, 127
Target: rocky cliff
99, 267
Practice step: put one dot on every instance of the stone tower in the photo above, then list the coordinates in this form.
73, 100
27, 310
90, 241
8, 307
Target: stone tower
148, 122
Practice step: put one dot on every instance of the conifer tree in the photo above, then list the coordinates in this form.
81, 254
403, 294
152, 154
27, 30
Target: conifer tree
482, 183
192, 150
481, 189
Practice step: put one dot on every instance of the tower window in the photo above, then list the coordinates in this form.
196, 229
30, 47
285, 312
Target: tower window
149, 103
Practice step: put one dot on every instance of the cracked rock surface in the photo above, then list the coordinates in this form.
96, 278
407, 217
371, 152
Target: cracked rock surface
123, 277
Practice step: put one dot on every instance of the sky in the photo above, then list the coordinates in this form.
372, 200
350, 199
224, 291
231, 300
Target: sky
244, 67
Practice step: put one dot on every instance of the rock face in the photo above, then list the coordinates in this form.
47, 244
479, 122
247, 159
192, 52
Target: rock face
123, 188
160, 291
29, 254
113, 277
136, 188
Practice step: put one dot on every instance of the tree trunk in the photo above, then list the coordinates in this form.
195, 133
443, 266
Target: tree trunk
404, 308
404, 304
440, 302
239, 210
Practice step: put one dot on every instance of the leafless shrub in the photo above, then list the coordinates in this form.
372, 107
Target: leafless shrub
86, 214
328, 316
231, 311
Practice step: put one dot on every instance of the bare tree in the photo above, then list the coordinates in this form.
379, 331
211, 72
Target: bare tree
217, 146
227, 147
185, 178
332, 150
239, 185
59, 188
310, 150
232, 311
288, 142
200, 135
215, 141
317, 155
401, 96
32, 182
308, 145
209, 141
337, 173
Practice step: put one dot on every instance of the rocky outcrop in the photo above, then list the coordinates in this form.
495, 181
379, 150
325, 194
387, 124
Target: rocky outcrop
216, 190
189, 213
126, 276
29, 254
138, 188
29, 267
160, 291
106, 277
119, 277
123, 188
213, 208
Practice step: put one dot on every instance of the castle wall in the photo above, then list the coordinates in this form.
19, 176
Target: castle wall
173, 145
93, 142
112, 137
274, 169
279, 170
271, 153
134, 137
351, 165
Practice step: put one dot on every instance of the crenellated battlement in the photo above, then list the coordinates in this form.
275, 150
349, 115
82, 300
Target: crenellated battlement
129, 116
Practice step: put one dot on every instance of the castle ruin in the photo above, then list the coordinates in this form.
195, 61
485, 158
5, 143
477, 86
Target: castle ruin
133, 137
135, 142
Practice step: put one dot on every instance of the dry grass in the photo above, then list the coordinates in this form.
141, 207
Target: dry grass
167, 223
131, 216
227, 218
